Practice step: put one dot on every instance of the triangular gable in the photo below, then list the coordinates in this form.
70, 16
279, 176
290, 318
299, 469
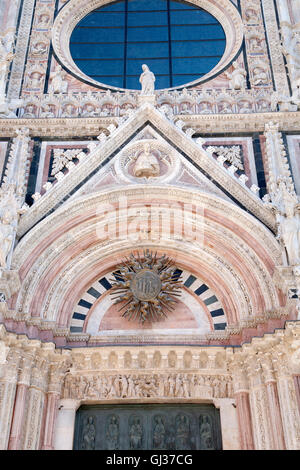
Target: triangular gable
105, 150
177, 170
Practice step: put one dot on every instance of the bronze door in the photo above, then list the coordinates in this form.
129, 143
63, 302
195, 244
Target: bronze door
152, 427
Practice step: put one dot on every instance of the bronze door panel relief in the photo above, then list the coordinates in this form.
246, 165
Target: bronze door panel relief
152, 427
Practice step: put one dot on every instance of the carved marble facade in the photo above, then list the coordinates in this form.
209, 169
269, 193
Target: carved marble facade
207, 175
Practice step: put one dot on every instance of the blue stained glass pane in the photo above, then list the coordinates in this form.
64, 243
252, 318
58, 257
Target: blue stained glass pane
116, 6
196, 17
96, 36
180, 42
99, 18
180, 79
112, 80
144, 5
110, 51
182, 6
158, 66
193, 65
146, 18
105, 67
159, 33
196, 48
197, 32
146, 49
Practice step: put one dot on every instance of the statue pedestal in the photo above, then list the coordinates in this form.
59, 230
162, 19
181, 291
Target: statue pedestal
146, 99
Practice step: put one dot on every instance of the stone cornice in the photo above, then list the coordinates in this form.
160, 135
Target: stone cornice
202, 123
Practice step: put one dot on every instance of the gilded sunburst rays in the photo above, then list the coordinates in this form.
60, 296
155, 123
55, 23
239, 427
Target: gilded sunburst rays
146, 286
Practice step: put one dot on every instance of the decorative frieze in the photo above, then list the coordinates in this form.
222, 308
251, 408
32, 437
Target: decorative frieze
37, 59
108, 104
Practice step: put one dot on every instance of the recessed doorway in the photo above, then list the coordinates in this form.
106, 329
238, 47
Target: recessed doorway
150, 427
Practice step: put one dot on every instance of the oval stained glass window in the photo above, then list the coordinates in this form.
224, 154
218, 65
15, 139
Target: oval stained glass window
180, 43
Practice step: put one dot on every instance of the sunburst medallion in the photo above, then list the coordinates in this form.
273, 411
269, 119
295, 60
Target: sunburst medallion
147, 286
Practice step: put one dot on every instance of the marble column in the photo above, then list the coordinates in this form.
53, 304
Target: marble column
266, 362
20, 405
275, 416
8, 384
241, 395
51, 410
289, 411
297, 387
65, 424
263, 438
35, 405
244, 420
57, 374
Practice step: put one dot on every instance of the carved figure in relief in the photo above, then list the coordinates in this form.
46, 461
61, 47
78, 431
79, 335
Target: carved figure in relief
29, 112
206, 108
237, 77
47, 112
182, 439
89, 434
260, 77
35, 80
245, 107
43, 21
251, 15
159, 433
178, 386
225, 108
39, 48
206, 435
147, 80
256, 43
89, 111
185, 108
135, 433
146, 164
68, 111
112, 433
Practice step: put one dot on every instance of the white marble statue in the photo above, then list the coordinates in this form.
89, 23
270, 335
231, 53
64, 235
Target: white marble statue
6, 57
58, 83
6, 236
289, 233
147, 80
237, 77
290, 47
146, 164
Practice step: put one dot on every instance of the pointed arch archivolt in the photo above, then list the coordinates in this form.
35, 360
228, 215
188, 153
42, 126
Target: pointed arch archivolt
230, 250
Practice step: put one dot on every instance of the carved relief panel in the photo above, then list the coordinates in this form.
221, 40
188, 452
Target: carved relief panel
157, 427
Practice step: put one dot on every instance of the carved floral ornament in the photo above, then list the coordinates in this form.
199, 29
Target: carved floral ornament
75, 10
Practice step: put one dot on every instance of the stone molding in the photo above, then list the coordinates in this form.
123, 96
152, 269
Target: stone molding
211, 124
